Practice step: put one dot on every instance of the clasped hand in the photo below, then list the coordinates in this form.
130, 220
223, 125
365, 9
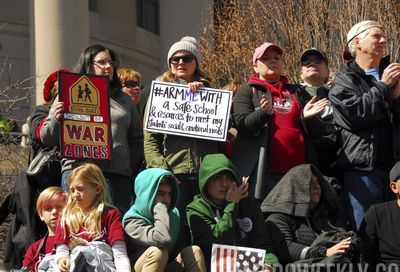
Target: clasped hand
314, 107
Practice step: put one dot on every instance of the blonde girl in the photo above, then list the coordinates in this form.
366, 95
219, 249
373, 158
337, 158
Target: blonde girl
90, 233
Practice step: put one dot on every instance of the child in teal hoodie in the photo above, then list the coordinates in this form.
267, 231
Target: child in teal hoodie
223, 213
152, 226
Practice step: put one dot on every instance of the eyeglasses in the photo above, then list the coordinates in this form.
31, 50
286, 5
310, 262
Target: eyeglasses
185, 59
131, 84
307, 62
103, 63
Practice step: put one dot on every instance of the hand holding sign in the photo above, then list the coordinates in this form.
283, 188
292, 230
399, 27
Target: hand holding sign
195, 85
57, 109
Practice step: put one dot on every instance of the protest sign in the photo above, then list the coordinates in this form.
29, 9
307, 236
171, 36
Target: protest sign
85, 131
174, 109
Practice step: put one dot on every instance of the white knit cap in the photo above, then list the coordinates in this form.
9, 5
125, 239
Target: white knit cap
188, 44
361, 27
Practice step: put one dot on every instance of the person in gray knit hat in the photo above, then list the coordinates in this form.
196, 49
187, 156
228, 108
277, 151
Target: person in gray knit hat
178, 154
183, 61
188, 44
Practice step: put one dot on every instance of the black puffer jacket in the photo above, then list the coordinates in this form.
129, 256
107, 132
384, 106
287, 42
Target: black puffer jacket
366, 118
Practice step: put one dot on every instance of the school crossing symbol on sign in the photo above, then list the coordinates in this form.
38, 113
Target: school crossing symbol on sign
85, 131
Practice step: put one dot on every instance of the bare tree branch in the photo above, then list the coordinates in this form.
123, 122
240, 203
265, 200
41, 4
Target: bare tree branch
228, 45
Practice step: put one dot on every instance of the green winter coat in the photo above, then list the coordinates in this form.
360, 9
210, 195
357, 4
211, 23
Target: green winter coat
239, 224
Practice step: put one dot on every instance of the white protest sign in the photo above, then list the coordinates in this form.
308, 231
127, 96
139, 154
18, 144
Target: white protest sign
174, 109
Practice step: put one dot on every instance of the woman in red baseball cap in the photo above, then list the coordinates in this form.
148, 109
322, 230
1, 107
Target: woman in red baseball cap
273, 122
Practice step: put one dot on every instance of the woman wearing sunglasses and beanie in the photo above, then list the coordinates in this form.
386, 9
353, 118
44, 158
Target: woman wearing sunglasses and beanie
273, 122
178, 154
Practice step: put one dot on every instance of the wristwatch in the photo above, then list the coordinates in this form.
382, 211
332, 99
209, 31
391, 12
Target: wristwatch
322, 251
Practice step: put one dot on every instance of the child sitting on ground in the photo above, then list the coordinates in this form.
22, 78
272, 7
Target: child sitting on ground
49, 206
152, 226
90, 233
223, 213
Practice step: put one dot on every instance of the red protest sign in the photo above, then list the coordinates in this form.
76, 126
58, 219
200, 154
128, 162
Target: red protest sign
85, 131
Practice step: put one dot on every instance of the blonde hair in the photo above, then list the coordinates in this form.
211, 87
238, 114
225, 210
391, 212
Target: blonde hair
50, 196
72, 215
125, 74
233, 86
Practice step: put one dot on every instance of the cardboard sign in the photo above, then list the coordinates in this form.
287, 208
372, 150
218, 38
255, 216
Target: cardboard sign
174, 109
85, 131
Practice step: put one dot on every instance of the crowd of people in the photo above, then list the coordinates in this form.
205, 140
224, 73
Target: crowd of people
308, 172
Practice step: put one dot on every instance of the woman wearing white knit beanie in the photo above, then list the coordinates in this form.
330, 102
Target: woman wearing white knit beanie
181, 155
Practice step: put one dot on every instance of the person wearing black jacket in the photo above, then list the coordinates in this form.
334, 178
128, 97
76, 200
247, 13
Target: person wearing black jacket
379, 230
314, 73
26, 226
365, 96
303, 205
274, 120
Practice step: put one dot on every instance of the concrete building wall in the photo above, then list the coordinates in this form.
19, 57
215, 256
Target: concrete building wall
112, 23
180, 18
61, 31
15, 53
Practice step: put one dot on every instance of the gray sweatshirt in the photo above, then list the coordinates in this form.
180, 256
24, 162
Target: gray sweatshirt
140, 233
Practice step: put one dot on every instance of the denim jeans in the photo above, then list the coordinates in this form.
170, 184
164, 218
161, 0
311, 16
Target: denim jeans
363, 189
64, 177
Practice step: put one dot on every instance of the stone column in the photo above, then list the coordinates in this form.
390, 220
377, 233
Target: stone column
61, 32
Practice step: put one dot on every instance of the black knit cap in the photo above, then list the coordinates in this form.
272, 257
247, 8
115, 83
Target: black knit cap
395, 172
314, 51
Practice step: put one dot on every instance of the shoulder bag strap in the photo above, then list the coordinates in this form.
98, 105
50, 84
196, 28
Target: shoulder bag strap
42, 242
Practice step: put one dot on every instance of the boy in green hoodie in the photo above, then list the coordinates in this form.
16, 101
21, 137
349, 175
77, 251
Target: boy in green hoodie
152, 226
223, 213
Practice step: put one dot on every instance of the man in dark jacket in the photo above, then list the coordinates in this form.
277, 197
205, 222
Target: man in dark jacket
365, 96
314, 74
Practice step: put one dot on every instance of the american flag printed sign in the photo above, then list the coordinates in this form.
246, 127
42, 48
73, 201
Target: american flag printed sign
226, 258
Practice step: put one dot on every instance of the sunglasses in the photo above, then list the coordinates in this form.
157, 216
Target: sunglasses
185, 59
131, 84
309, 61
103, 63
